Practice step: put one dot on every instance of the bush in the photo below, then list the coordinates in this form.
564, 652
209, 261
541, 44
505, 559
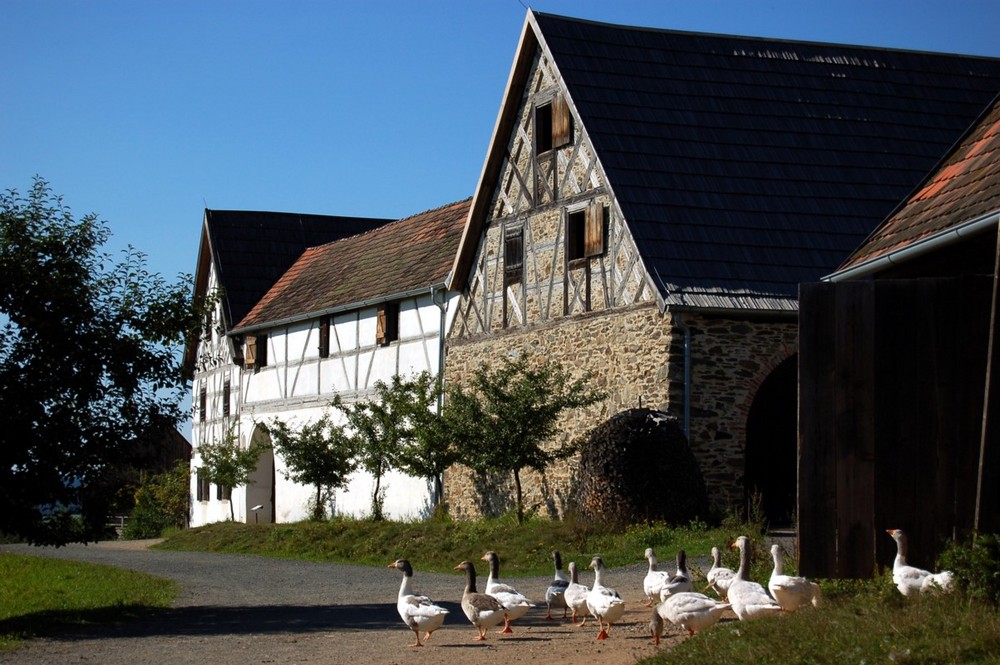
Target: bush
160, 502
638, 467
976, 567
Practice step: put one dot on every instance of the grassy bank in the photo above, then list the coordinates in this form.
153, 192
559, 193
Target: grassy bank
438, 545
43, 596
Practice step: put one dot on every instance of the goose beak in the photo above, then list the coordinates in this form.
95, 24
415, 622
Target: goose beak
391, 565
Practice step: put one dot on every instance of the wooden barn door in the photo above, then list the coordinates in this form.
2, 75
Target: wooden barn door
891, 380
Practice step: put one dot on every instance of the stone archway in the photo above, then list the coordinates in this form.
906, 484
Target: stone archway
260, 487
772, 445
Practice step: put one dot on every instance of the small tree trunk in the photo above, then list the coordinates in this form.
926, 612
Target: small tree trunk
320, 512
376, 500
520, 503
232, 512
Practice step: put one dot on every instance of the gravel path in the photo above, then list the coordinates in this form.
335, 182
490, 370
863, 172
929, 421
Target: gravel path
241, 610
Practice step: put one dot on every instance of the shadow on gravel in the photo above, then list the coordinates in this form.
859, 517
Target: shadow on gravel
209, 620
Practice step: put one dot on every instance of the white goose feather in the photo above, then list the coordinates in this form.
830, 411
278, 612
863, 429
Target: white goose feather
419, 613
791, 591
749, 599
603, 602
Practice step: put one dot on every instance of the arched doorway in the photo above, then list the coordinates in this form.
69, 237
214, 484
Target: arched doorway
772, 452
260, 485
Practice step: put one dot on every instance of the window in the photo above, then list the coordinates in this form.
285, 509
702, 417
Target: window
203, 403
553, 125
585, 230
387, 326
223, 493
203, 487
324, 338
225, 399
513, 254
255, 351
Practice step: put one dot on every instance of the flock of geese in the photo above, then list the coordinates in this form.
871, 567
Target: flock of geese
672, 596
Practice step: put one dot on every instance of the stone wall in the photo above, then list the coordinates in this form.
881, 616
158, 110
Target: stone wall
636, 355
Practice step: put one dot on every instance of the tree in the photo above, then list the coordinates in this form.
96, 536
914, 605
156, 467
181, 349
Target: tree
378, 428
510, 411
319, 454
229, 465
428, 449
89, 368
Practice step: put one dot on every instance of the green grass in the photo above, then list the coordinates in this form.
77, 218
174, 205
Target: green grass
871, 623
41, 596
440, 544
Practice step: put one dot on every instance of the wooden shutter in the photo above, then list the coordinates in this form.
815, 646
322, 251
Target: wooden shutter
380, 336
562, 122
593, 242
250, 352
324, 338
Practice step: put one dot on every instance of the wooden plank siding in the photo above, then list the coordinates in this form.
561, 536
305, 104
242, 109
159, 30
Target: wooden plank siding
891, 375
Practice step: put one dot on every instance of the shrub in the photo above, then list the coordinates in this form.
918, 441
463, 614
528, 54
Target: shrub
976, 567
638, 467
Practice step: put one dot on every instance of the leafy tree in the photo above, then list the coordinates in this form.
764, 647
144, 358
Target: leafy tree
89, 369
427, 450
320, 454
161, 501
509, 412
228, 464
379, 427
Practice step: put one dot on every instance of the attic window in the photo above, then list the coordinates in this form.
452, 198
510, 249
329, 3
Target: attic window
513, 254
324, 338
255, 351
585, 230
387, 325
553, 125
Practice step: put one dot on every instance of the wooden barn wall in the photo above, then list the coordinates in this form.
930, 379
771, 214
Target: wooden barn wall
891, 381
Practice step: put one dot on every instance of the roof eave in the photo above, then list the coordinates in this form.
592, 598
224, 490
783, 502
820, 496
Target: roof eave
916, 249
330, 311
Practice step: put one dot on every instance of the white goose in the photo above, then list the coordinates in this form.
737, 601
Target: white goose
749, 599
654, 579
680, 582
576, 596
603, 602
482, 610
911, 580
515, 603
419, 613
555, 595
690, 610
719, 578
791, 591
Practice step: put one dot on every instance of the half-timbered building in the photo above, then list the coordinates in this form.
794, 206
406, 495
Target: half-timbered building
241, 255
342, 317
650, 202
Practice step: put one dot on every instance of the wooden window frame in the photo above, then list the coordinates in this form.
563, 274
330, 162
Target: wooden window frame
324, 337
223, 493
255, 351
513, 254
553, 124
226, 398
586, 229
387, 324
203, 403
203, 491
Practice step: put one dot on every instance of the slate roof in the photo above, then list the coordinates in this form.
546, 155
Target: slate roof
400, 259
744, 166
252, 249
963, 193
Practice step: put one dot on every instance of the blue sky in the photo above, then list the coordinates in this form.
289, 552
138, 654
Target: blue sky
146, 112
